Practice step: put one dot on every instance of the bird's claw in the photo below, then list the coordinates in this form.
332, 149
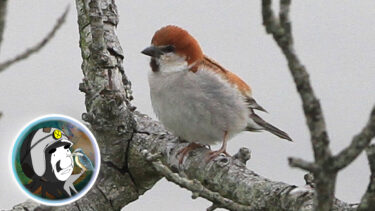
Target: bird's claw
184, 151
214, 154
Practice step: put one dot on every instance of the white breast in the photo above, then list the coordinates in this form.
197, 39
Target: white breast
198, 107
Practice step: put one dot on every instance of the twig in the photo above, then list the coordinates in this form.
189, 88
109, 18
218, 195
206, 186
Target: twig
358, 144
193, 185
3, 12
38, 46
368, 200
302, 164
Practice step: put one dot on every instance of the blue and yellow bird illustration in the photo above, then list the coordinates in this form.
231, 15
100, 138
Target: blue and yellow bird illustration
82, 160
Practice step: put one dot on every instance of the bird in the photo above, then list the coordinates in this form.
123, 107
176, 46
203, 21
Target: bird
195, 97
82, 160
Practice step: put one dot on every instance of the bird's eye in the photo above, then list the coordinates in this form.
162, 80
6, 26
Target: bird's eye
52, 151
168, 49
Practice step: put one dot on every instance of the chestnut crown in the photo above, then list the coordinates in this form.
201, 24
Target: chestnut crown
180, 41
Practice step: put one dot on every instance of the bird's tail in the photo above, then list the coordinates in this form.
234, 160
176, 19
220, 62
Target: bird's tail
260, 124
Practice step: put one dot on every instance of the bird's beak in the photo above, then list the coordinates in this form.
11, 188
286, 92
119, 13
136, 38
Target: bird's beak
152, 51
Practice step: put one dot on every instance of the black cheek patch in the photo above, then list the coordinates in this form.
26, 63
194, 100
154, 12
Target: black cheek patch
154, 65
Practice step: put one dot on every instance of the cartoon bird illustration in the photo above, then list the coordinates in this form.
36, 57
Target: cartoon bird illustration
195, 97
82, 160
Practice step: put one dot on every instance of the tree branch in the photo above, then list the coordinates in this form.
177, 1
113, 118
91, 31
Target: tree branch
224, 175
3, 12
302, 164
368, 199
358, 144
326, 167
280, 29
38, 46
194, 186
108, 111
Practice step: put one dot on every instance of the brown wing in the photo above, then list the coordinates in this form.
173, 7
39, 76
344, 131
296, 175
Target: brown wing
232, 79
226, 74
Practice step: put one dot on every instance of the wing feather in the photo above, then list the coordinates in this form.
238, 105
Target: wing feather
232, 78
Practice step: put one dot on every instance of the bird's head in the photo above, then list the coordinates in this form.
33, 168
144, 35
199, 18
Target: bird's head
173, 48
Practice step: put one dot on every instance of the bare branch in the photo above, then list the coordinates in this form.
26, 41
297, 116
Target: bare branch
38, 46
325, 167
194, 186
302, 164
358, 144
313, 112
280, 29
368, 199
3, 12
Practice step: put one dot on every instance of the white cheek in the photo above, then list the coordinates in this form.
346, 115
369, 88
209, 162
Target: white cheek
172, 62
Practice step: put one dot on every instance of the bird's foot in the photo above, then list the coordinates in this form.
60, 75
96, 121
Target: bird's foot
214, 154
184, 151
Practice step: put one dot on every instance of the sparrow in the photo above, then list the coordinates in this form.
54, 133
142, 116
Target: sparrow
195, 97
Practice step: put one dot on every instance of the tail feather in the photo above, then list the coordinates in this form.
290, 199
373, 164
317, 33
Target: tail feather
268, 127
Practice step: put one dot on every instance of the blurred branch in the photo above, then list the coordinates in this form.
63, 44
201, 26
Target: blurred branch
368, 200
38, 46
326, 166
302, 164
3, 13
281, 31
358, 144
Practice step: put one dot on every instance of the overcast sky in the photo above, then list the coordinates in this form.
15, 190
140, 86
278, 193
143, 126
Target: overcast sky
334, 40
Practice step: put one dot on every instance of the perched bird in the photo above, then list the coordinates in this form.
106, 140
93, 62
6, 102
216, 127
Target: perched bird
195, 97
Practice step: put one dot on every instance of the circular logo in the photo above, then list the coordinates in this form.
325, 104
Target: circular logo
55, 160
57, 134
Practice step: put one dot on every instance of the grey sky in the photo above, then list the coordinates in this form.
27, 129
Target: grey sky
334, 39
